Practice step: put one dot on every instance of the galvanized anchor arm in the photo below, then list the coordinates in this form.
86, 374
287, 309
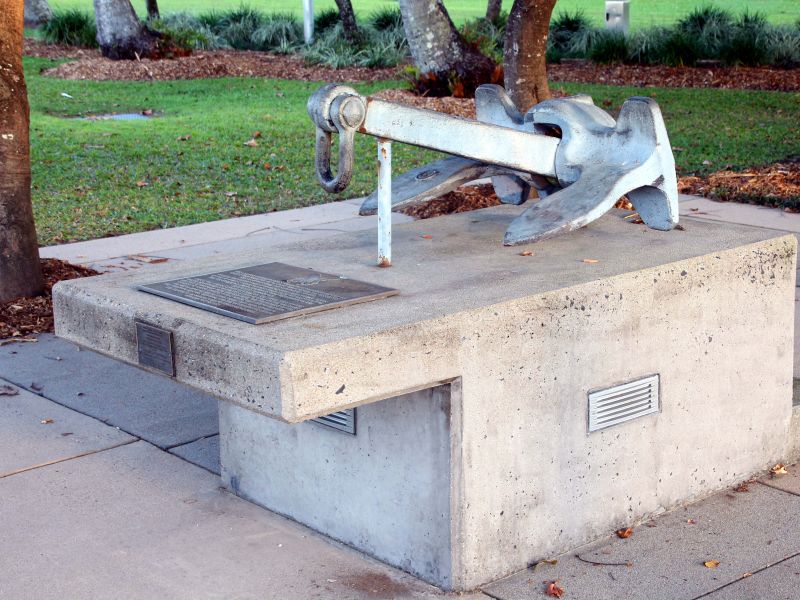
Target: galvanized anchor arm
340, 109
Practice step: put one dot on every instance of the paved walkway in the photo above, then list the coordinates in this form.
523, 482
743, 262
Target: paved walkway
108, 485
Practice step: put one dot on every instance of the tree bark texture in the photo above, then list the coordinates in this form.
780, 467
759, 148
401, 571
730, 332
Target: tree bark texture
37, 12
524, 52
435, 43
152, 10
348, 19
493, 9
120, 33
20, 270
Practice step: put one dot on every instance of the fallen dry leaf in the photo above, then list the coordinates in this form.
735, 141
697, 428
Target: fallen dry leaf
526, 253
141, 184
184, 138
46, 421
252, 143
426, 237
742, 487
7, 390
778, 469
747, 575
552, 589
256, 134
711, 564
148, 112
590, 261
691, 521
624, 533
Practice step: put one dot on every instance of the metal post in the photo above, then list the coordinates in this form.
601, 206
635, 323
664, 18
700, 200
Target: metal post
308, 21
384, 203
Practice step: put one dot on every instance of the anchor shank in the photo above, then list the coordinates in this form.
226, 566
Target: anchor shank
483, 142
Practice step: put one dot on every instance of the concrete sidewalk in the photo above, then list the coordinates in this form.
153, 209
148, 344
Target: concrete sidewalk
108, 484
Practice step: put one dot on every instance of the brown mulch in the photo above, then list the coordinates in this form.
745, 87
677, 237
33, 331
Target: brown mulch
25, 316
231, 63
742, 78
465, 198
775, 185
219, 63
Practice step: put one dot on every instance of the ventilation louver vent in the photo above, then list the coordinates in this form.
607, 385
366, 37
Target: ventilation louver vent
343, 420
623, 402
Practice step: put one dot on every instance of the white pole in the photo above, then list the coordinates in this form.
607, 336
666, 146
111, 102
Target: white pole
384, 203
308, 20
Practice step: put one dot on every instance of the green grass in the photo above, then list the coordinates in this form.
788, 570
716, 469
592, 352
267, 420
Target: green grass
643, 12
86, 173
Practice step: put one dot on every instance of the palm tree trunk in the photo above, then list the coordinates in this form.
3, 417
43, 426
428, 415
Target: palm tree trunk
524, 53
435, 43
493, 9
20, 270
348, 19
37, 12
152, 10
120, 33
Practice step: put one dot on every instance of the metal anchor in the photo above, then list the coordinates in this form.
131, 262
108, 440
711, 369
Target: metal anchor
578, 175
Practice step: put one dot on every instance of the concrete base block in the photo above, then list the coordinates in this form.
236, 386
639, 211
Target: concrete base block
467, 485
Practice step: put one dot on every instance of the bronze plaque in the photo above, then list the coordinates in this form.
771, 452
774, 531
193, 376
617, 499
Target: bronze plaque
154, 346
268, 292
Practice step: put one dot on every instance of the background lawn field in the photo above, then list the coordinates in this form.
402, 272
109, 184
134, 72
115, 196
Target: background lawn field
643, 12
189, 164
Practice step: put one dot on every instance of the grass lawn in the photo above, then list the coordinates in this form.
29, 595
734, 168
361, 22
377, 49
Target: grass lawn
94, 178
643, 12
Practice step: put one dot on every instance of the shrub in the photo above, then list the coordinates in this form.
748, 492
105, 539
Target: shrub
565, 30
783, 45
608, 46
238, 25
376, 48
187, 31
325, 20
386, 19
646, 46
280, 33
72, 27
749, 43
703, 32
487, 36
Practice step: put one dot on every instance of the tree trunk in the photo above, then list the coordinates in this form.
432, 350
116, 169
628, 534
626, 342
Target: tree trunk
493, 9
524, 53
20, 270
152, 10
37, 12
120, 33
348, 19
435, 43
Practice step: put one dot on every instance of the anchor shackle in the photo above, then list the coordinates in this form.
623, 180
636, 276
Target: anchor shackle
335, 109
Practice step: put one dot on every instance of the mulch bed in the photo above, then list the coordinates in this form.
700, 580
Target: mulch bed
208, 65
231, 63
776, 185
25, 316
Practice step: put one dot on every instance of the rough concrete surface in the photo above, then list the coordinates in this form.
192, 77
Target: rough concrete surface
745, 531
780, 582
386, 491
146, 405
438, 267
34, 431
135, 522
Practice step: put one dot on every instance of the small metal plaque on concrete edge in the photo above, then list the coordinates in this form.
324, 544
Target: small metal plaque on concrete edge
154, 348
269, 292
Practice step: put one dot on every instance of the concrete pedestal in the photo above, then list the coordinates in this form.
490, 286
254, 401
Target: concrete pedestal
473, 455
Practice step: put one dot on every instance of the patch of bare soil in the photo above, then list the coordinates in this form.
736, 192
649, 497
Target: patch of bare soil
776, 185
220, 63
25, 316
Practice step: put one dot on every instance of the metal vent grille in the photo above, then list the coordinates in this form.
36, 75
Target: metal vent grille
622, 403
343, 420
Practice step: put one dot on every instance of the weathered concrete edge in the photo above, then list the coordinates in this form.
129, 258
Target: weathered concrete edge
429, 351
278, 384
